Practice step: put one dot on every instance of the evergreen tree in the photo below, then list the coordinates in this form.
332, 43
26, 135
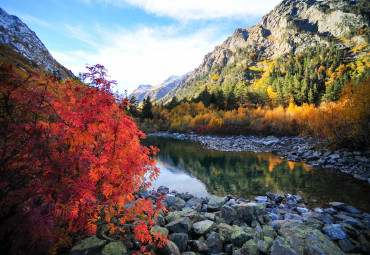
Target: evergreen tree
146, 111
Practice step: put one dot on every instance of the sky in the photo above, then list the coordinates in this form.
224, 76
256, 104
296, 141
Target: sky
138, 41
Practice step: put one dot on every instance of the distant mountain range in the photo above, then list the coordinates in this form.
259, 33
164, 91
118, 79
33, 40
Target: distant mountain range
290, 28
16, 37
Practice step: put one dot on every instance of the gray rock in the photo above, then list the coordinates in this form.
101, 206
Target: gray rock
250, 247
353, 210
160, 230
247, 212
182, 225
162, 190
114, 248
229, 214
261, 199
202, 227
198, 246
265, 245
300, 237
180, 239
275, 197
350, 220
215, 203
175, 202
194, 203
214, 243
279, 248
347, 246
334, 156
88, 246
338, 205
302, 210
334, 231
239, 236
170, 249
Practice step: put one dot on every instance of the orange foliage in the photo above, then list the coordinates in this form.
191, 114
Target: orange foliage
67, 151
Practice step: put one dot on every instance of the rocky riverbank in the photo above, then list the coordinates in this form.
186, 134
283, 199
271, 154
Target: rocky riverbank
303, 149
272, 224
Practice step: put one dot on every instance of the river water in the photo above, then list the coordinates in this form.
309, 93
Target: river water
187, 167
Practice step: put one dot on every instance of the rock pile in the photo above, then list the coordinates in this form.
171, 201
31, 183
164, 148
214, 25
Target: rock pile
271, 224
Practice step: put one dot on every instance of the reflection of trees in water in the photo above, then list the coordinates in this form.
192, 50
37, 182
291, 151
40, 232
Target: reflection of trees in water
244, 174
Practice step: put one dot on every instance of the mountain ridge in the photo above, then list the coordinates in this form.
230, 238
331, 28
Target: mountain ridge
291, 27
21, 39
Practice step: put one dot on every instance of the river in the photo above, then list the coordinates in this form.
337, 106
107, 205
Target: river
187, 167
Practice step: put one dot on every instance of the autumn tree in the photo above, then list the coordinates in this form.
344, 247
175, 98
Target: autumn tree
67, 152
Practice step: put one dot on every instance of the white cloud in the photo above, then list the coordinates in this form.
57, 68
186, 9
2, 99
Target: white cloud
145, 56
201, 9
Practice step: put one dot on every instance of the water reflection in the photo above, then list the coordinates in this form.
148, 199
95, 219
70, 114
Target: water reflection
247, 174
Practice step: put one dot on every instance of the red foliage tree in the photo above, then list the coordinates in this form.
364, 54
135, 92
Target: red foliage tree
66, 152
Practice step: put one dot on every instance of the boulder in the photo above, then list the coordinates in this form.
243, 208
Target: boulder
114, 248
280, 248
228, 214
265, 245
160, 230
170, 249
302, 238
88, 246
162, 190
239, 236
248, 212
215, 203
202, 227
180, 239
198, 246
334, 231
175, 202
182, 225
250, 248
214, 243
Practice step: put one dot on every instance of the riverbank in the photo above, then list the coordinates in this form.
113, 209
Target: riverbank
271, 224
296, 149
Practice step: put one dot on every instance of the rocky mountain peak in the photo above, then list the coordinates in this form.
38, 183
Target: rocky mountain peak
23, 40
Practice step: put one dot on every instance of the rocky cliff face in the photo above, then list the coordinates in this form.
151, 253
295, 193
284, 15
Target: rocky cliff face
21, 39
291, 27
158, 92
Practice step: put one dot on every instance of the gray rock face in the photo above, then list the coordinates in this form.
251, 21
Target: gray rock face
293, 25
23, 40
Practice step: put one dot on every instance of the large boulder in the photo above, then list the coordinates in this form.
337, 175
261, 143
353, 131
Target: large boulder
228, 214
114, 248
202, 227
170, 249
214, 243
304, 239
88, 246
240, 235
215, 203
182, 225
334, 231
180, 239
248, 212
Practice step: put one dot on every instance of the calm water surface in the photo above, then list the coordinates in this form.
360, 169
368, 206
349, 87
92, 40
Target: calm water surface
187, 167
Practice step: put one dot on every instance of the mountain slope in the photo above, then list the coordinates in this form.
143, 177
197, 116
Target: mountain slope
15, 34
290, 28
158, 92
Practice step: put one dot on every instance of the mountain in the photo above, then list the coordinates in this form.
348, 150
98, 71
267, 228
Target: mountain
290, 28
158, 92
16, 40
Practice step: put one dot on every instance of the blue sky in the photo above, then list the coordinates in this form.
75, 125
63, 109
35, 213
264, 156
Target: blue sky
138, 41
